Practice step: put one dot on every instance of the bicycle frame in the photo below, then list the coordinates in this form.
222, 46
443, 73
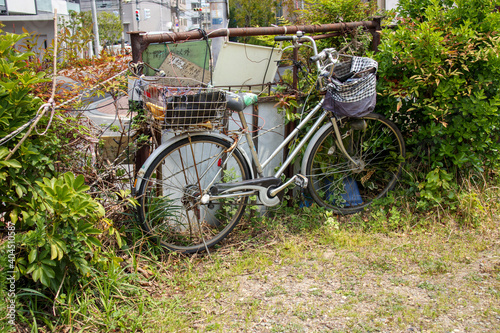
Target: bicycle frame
287, 140
268, 195
290, 137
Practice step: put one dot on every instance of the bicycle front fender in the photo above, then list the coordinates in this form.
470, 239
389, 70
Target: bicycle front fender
310, 145
157, 151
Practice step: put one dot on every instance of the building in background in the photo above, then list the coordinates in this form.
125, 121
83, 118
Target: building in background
137, 15
140, 15
35, 16
387, 4
156, 15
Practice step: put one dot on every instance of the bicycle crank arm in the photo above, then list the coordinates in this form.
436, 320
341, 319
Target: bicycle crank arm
244, 190
261, 185
298, 180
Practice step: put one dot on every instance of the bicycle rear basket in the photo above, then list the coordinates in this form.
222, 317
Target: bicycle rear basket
351, 88
185, 108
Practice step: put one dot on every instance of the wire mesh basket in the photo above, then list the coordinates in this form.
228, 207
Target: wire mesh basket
185, 108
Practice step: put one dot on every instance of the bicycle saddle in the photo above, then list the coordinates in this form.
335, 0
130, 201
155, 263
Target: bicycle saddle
237, 102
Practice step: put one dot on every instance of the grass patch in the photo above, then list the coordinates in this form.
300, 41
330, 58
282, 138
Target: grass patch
300, 270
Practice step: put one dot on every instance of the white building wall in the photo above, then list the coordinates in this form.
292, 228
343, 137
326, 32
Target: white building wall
21, 6
160, 16
391, 4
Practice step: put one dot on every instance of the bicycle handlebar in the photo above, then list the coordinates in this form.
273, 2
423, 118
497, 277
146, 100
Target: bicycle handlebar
317, 57
282, 38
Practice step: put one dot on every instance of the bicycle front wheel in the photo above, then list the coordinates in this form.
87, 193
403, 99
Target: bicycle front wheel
170, 207
377, 148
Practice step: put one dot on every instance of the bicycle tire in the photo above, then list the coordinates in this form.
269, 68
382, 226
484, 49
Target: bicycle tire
335, 182
169, 195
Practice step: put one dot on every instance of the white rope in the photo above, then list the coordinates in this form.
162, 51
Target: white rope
16, 132
45, 107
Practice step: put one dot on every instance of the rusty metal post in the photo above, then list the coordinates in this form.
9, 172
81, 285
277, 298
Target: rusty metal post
137, 44
291, 125
140, 40
375, 31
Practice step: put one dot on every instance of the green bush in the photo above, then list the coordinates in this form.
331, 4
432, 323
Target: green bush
328, 12
57, 231
439, 79
55, 220
34, 159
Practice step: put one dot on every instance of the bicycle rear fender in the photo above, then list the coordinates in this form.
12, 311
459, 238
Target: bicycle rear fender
315, 138
157, 151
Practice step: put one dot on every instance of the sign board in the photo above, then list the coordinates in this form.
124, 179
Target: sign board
188, 60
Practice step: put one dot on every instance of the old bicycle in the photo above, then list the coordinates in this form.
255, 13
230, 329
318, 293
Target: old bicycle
193, 189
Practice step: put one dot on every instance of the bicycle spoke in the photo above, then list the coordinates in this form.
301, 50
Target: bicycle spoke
170, 197
344, 186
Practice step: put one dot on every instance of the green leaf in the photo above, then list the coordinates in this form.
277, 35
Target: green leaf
69, 177
62, 245
54, 251
94, 241
79, 181
31, 292
11, 164
37, 274
100, 210
31, 268
33, 254
46, 275
48, 262
119, 240
14, 215
19, 192
3, 152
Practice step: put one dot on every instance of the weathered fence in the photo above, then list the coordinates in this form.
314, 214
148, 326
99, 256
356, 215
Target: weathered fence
141, 40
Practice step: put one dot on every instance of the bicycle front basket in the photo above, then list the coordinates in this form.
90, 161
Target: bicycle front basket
351, 90
186, 108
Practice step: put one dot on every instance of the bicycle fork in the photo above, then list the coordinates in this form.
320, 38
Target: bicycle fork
358, 164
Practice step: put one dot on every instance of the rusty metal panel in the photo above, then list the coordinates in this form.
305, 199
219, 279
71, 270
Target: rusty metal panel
189, 59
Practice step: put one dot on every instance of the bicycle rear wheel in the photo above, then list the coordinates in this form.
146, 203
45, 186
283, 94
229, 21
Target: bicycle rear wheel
336, 183
169, 196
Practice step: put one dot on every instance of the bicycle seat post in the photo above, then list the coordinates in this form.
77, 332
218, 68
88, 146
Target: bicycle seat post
251, 145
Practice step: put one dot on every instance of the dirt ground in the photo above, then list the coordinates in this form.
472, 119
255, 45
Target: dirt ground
393, 285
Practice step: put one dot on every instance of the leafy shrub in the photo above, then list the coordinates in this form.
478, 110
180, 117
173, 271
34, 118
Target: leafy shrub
18, 106
439, 78
55, 220
58, 225
328, 12
56, 233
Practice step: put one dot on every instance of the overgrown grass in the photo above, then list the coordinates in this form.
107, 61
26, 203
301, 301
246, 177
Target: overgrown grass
302, 269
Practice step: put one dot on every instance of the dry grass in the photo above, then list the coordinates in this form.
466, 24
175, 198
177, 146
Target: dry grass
305, 270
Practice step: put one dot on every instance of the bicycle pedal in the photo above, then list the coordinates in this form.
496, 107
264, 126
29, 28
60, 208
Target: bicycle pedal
301, 180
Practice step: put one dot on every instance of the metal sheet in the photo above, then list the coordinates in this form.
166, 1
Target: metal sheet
244, 65
189, 59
